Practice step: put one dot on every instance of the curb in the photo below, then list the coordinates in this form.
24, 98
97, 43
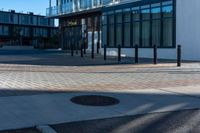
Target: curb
45, 129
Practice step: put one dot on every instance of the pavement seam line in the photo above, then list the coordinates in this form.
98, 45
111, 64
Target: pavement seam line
45, 129
179, 93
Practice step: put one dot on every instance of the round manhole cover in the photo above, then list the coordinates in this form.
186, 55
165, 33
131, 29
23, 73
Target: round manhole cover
94, 100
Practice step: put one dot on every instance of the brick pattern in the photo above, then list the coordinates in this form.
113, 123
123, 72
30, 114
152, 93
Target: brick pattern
35, 79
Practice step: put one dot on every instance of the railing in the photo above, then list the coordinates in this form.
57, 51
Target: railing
77, 6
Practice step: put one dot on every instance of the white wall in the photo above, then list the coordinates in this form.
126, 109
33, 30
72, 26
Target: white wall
187, 34
188, 28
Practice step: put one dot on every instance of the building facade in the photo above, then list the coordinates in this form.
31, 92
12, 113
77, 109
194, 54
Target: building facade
165, 23
24, 29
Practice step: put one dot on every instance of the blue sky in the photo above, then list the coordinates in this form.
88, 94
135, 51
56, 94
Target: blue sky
36, 6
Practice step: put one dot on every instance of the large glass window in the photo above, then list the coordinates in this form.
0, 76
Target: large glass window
111, 30
145, 25
136, 33
156, 32
127, 27
167, 10
119, 27
136, 25
145, 33
156, 24
167, 33
104, 33
111, 35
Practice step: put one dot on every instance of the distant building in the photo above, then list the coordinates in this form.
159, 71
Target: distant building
24, 29
165, 23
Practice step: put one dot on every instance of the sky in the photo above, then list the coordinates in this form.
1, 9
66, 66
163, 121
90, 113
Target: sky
36, 6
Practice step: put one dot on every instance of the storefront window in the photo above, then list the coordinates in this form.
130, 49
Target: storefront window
156, 11
142, 25
145, 10
156, 32
111, 35
145, 33
167, 33
136, 33
136, 13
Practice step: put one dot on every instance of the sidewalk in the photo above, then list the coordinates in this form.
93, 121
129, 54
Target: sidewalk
28, 111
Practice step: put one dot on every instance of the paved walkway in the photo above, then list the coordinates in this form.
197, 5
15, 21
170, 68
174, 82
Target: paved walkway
36, 87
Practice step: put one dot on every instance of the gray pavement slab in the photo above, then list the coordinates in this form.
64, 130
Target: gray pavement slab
185, 121
29, 111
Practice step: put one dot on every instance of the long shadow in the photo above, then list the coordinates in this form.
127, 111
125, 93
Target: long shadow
142, 105
60, 58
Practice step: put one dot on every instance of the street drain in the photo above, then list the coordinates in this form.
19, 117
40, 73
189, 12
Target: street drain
94, 100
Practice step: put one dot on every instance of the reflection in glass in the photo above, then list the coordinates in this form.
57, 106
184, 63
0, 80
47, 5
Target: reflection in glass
167, 32
145, 33
127, 28
136, 33
156, 32
111, 35
119, 34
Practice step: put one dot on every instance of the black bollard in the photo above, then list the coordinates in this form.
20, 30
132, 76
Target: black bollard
179, 56
105, 52
92, 52
136, 53
119, 52
81, 50
97, 47
84, 46
154, 54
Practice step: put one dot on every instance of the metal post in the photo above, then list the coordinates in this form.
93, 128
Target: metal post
179, 56
136, 53
84, 45
119, 52
104, 52
82, 49
155, 54
97, 47
93, 29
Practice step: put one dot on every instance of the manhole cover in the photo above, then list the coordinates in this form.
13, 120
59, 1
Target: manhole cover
94, 100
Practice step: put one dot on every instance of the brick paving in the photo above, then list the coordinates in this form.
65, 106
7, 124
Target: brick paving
42, 76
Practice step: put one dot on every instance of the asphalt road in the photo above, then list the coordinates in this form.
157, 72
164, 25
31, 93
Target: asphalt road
187, 121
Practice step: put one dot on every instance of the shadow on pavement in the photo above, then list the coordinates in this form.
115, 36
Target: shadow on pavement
59, 58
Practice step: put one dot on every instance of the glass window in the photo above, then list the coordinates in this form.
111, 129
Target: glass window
136, 14
118, 17
156, 32
111, 19
1, 30
127, 28
111, 35
119, 34
155, 11
5, 30
127, 16
145, 33
145, 14
136, 33
104, 35
104, 19
167, 11
167, 32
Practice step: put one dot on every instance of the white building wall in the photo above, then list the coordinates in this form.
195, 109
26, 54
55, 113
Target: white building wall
187, 34
188, 28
